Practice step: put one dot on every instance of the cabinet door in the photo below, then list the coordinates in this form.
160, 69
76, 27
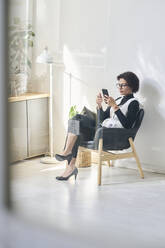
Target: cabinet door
17, 131
38, 126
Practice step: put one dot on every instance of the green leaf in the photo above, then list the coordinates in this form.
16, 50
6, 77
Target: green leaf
30, 43
29, 63
31, 33
72, 111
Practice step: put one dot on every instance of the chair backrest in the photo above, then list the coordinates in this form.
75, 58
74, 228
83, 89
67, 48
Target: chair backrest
139, 119
117, 138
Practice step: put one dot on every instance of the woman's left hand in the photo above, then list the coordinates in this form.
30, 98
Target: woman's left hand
111, 102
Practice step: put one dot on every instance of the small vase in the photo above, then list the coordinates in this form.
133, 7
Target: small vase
12, 85
21, 83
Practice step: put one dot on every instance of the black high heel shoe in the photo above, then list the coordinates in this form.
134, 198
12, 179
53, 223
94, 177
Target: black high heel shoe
62, 157
74, 172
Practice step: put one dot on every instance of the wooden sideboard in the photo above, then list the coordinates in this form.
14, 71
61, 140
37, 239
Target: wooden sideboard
28, 126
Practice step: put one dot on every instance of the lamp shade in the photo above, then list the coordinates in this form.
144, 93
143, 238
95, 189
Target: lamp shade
45, 57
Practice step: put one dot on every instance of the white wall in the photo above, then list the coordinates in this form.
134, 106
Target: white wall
136, 43
99, 40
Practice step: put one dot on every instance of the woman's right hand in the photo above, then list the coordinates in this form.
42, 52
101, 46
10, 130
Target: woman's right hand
99, 100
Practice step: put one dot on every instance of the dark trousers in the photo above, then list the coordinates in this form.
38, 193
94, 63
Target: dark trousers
84, 128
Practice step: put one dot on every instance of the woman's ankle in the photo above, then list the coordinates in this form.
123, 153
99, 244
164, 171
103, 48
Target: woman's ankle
72, 163
65, 153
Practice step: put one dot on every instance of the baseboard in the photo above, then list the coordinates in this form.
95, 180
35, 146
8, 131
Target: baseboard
132, 165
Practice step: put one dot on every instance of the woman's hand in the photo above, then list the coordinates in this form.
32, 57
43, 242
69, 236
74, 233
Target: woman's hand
111, 102
99, 100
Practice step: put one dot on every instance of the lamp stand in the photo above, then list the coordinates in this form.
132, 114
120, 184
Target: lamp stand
50, 159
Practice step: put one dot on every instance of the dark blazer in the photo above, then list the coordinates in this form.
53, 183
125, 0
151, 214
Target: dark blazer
126, 121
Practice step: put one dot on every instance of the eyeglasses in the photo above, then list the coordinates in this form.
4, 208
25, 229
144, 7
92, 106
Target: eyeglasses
121, 85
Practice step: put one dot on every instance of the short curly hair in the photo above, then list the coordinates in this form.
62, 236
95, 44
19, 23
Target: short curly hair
131, 79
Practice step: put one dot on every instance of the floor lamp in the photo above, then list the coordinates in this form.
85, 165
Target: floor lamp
46, 58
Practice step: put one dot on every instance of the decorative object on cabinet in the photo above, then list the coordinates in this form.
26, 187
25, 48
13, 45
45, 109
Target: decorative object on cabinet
20, 41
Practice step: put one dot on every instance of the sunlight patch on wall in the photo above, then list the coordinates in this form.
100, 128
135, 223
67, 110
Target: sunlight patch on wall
71, 86
66, 100
152, 85
150, 66
70, 64
40, 11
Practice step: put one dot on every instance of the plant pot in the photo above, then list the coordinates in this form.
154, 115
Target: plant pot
11, 85
21, 83
18, 84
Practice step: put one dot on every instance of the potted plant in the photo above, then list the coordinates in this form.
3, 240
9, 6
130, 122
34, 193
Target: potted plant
20, 42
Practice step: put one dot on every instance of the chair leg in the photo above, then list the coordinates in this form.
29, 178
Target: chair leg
100, 162
136, 158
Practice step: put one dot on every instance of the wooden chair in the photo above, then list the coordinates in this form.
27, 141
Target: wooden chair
114, 139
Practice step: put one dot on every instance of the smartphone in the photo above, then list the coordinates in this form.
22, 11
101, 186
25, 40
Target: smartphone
105, 92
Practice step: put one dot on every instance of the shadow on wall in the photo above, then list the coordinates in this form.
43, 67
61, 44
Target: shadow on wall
150, 139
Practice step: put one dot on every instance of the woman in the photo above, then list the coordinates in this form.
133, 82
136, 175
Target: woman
120, 113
